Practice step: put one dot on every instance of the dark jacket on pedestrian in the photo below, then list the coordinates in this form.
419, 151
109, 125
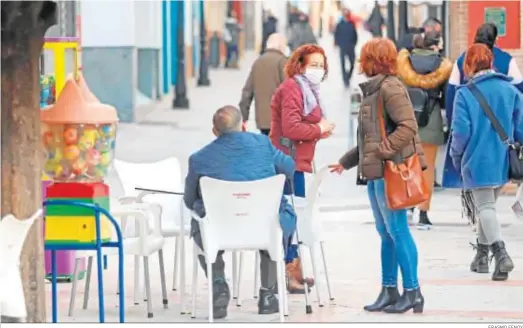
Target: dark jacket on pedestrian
346, 36
265, 76
375, 22
289, 121
407, 40
301, 33
401, 127
269, 27
238, 156
427, 70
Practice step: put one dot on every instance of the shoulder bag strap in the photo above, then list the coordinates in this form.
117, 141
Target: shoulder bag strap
488, 111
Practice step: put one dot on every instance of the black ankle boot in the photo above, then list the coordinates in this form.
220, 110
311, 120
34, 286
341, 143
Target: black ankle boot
387, 296
268, 303
480, 262
424, 218
503, 263
411, 299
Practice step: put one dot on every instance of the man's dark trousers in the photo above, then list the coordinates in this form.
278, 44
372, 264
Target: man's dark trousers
351, 54
268, 268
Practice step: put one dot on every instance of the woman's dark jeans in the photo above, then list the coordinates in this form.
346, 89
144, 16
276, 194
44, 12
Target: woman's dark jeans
397, 245
299, 191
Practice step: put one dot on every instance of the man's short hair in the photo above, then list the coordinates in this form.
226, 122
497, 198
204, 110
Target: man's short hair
227, 119
431, 22
487, 35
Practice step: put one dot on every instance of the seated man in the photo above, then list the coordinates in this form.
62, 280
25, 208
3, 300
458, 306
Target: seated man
238, 156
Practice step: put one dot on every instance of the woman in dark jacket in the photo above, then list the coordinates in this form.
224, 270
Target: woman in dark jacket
298, 120
425, 70
378, 62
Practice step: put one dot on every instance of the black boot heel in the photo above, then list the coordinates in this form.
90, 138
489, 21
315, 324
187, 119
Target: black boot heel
418, 308
503, 262
410, 299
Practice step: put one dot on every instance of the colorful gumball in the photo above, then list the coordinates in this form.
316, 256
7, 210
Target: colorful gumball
55, 155
50, 167
105, 159
93, 157
71, 152
88, 139
107, 130
70, 136
79, 167
48, 139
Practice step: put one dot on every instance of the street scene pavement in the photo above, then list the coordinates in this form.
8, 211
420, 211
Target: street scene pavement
452, 293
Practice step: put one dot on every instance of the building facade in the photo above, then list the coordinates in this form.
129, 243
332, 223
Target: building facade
466, 16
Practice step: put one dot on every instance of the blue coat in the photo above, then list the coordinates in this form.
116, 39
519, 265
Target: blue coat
477, 152
503, 63
238, 156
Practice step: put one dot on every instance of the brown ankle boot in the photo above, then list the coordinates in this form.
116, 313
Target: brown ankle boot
295, 283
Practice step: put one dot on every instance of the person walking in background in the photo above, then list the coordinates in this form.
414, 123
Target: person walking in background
374, 24
230, 157
429, 25
301, 33
298, 121
270, 26
425, 73
384, 94
479, 155
346, 38
267, 73
231, 36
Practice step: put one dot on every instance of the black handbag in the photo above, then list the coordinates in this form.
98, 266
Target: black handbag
515, 151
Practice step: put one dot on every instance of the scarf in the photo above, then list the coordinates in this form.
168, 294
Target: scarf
311, 95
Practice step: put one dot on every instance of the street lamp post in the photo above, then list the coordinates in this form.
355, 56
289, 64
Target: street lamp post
180, 89
391, 30
203, 79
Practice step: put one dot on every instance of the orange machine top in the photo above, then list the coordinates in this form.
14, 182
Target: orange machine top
77, 104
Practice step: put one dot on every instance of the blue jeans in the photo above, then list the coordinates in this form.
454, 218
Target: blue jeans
397, 245
299, 190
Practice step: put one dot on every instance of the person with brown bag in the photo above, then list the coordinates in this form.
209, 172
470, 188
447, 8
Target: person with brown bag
389, 159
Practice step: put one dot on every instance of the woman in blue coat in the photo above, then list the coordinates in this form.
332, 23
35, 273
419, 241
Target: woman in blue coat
478, 154
504, 63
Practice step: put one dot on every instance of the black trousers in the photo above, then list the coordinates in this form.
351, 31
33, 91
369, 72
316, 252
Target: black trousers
265, 131
351, 54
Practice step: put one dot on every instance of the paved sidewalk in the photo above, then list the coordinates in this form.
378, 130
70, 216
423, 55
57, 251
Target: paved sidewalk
452, 293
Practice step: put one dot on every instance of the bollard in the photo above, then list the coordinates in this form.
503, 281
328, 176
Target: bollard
214, 50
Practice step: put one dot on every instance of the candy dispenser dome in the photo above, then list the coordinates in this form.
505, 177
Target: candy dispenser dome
79, 135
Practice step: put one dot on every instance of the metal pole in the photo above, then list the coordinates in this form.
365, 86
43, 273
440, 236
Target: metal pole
403, 20
203, 79
391, 29
180, 89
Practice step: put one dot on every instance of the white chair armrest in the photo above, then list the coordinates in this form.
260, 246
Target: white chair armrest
127, 200
195, 216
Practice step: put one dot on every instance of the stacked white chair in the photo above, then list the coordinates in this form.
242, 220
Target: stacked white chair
310, 232
240, 216
161, 175
143, 241
13, 233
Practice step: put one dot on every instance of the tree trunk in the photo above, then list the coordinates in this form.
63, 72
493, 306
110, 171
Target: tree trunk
22, 154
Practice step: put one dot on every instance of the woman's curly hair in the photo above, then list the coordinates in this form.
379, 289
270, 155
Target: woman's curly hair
378, 56
477, 58
298, 59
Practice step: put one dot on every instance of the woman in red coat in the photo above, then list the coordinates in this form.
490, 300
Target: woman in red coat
298, 122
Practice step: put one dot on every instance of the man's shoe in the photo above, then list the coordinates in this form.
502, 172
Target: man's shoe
480, 262
503, 264
424, 219
221, 296
267, 301
387, 296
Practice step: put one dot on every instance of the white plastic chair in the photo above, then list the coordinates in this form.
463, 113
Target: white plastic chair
13, 233
240, 216
309, 230
162, 175
141, 242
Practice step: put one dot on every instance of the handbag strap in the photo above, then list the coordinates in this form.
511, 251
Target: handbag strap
488, 111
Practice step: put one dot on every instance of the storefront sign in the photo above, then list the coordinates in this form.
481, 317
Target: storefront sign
497, 16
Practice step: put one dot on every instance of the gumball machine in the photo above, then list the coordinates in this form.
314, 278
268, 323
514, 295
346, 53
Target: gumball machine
78, 134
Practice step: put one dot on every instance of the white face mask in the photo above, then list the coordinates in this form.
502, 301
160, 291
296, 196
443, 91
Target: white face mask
314, 75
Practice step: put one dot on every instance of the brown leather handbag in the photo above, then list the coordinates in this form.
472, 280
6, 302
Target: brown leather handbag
405, 186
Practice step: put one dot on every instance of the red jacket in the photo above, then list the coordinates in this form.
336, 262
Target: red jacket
288, 121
